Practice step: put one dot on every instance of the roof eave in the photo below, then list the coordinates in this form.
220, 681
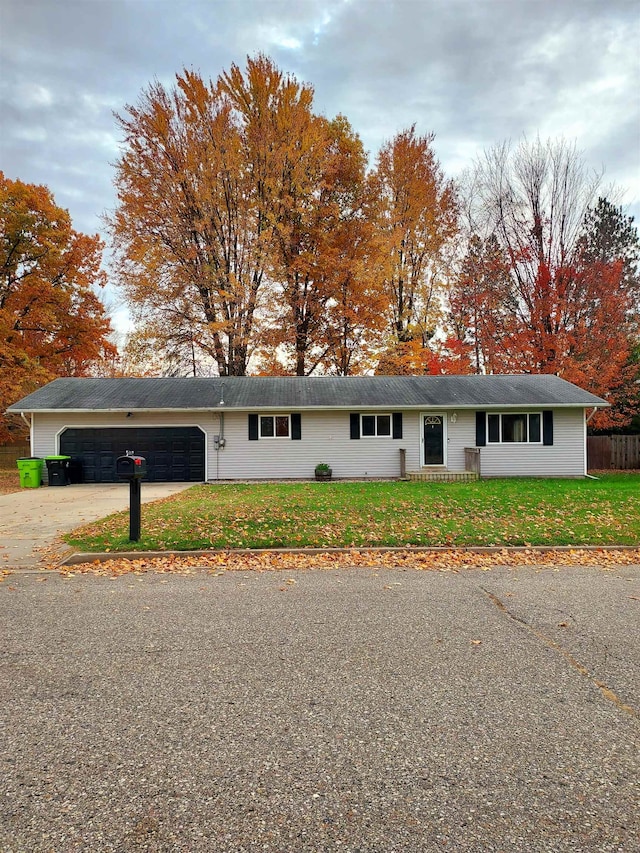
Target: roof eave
316, 408
13, 411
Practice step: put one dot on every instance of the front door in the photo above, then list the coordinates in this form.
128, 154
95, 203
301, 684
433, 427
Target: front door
433, 432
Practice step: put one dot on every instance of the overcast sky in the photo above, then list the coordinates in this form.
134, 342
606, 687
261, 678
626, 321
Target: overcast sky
475, 72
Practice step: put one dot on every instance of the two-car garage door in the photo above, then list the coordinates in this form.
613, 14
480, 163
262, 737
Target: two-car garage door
173, 454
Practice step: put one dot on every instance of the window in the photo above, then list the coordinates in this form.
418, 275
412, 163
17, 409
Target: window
375, 425
514, 428
274, 426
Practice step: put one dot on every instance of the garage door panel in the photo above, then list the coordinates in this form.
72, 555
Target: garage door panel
173, 454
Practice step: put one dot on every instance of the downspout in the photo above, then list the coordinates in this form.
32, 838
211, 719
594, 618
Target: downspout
30, 425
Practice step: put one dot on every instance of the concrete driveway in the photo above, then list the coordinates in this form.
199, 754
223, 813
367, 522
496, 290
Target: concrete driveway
32, 520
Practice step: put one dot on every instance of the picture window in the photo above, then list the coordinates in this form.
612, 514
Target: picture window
514, 428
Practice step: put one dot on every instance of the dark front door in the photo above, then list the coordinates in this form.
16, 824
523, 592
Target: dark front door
433, 426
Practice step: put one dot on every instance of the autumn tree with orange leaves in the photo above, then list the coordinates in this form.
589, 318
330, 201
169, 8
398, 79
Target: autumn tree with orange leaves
52, 323
228, 194
247, 228
191, 230
415, 213
249, 236
479, 301
325, 260
532, 296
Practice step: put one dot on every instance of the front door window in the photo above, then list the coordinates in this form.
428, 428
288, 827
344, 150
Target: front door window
433, 426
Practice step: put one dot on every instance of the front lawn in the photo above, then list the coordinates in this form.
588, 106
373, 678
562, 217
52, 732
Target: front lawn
360, 514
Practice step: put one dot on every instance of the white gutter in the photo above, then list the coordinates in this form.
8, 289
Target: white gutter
30, 425
595, 409
116, 411
294, 407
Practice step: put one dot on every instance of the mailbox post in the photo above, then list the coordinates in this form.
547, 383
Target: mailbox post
132, 468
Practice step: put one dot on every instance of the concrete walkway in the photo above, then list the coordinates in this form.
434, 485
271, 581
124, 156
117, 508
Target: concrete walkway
32, 520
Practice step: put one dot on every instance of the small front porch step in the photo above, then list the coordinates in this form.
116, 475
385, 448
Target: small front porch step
441, 476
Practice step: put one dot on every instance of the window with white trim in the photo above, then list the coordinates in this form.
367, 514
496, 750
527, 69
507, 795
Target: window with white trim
275, 426
375, 426
514, 428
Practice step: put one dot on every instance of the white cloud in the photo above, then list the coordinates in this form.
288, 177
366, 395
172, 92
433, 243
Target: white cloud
275, 36
35, 95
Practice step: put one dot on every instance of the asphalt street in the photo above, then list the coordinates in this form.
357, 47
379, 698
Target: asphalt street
343, 710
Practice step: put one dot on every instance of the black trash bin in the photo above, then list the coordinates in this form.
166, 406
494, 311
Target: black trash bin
58, 470
75, 470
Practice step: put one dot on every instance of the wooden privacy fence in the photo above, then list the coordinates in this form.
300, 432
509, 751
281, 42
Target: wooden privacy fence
11, 452
613, 451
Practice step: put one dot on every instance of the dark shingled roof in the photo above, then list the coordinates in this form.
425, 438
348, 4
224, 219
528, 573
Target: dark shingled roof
317, 392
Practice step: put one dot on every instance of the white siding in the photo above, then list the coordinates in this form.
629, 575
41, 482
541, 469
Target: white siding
565, 458
461, 434
326, 438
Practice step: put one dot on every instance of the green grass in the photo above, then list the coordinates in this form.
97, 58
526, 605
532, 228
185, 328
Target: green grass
488, 512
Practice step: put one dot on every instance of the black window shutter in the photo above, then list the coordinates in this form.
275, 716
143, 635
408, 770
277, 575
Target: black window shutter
481, 429
354, 420
397, 424
296, 426
547, 428
253, 427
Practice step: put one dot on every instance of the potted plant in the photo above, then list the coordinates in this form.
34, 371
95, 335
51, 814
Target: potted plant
323, 471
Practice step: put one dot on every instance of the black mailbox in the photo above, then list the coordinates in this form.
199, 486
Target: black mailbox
131, 467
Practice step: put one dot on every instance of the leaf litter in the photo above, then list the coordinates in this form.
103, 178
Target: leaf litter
454, 560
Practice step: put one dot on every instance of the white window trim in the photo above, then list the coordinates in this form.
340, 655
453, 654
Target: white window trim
512, 443
377, 415
274, 416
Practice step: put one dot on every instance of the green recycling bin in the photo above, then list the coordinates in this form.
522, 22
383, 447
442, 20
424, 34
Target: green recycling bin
30, 469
